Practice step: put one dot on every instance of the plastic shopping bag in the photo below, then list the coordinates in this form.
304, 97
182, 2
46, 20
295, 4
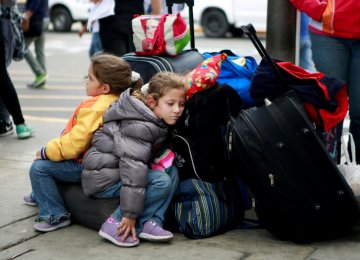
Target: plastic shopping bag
350, 170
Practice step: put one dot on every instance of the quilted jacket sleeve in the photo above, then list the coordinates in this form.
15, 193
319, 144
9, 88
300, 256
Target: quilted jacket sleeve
133, 145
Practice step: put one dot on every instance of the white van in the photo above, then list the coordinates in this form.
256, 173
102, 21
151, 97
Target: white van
63, 13
217, 17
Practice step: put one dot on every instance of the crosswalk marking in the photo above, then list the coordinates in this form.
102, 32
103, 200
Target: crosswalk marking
17, 74
46, 119
51, 87
52, 109
68, 97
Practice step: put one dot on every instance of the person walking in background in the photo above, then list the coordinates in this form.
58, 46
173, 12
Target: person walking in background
175, 9
60, 160
116, 30
306, 57
8, 93
35, 22
99, 9
6, 127
335, 37
116, 165
164, 10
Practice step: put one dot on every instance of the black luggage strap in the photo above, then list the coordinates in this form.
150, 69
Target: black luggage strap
190, 4
251, 33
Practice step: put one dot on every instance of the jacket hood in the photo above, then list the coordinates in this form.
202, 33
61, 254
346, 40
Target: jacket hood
128, 107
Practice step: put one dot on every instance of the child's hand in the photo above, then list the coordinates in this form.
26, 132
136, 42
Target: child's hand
25, 25
82, 30
38, 156
127, 225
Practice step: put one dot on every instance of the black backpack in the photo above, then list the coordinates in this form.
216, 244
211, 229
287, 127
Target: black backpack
198, 138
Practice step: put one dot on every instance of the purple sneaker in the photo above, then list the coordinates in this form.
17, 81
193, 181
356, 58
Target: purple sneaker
109, 231
152, 231
43, 226
29, 200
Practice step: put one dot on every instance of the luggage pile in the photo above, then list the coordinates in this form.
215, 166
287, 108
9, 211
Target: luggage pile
262, 126
298, 192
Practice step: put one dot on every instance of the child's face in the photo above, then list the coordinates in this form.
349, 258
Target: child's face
170, 106
93, 86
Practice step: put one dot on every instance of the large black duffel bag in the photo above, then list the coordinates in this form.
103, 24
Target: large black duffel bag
86, 211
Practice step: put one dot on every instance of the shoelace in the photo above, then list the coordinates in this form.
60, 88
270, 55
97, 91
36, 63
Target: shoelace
153, 223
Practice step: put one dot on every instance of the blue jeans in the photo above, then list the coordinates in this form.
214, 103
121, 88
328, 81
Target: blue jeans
159, 192
37, 63
340, 58
306, 59
95, 45
43, 176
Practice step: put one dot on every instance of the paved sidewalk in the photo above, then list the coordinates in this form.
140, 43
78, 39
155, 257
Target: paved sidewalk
76, 242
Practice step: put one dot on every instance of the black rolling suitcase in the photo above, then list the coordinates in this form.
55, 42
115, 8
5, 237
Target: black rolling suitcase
298, 192
184, 62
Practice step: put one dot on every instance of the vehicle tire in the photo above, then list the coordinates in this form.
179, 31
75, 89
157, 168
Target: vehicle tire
214, 23
61, 19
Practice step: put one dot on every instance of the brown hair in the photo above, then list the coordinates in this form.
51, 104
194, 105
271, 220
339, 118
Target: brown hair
160, 84
113, 70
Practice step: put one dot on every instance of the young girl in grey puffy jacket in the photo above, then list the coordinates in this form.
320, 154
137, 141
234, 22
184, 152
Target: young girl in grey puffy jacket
117, 162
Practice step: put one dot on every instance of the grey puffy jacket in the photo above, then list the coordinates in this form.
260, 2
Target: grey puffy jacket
121, 150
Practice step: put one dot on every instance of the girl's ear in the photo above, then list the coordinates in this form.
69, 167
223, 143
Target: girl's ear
150, 102
106, 89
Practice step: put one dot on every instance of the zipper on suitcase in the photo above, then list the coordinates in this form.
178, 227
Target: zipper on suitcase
254, 129
230, 140
271, 177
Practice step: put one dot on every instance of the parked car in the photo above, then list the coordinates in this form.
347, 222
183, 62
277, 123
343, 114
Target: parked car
219, 17
63, 13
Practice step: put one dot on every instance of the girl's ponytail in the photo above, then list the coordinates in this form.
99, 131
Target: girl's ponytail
136, 81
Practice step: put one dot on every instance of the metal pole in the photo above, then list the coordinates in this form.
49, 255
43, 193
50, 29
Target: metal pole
281, 30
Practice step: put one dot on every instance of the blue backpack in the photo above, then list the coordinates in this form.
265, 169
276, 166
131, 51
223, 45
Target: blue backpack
235, 75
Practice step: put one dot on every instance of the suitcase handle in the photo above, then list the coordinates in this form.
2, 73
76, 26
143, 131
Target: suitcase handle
250, 31
187, 2
190, 4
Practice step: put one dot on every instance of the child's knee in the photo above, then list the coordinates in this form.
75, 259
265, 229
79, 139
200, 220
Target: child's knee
165, 183
33, 168
160, 181
36, 168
